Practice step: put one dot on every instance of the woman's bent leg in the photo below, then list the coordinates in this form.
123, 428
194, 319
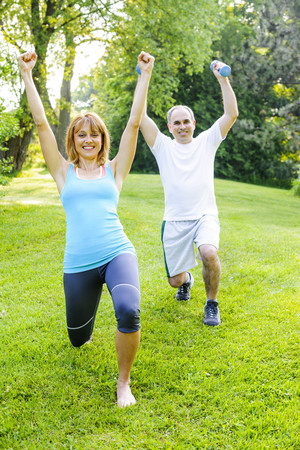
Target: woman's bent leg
82, 292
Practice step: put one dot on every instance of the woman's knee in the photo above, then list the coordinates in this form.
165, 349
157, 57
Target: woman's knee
126, 300
80, 335
128, 320
77, 341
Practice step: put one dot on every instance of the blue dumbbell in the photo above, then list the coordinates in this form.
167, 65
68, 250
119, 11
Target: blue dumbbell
138, 70
225, 71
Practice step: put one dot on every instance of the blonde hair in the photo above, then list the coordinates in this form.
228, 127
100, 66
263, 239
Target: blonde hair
97, 124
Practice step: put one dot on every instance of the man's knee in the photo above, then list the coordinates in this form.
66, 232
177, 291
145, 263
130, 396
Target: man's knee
209, 255
177, 280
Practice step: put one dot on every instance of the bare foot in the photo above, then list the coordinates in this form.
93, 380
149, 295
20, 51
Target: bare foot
124, 395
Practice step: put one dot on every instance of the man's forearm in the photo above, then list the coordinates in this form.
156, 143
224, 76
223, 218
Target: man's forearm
229, 99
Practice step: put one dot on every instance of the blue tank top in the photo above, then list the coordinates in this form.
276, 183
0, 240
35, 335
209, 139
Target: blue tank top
94, 234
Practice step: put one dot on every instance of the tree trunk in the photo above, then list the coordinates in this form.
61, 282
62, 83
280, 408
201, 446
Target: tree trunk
65, 94
64, 116
18, 145
17, 148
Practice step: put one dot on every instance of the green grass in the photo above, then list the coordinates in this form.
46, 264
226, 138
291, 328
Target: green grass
231, 387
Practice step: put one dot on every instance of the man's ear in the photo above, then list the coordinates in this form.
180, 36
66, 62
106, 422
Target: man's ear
169, 127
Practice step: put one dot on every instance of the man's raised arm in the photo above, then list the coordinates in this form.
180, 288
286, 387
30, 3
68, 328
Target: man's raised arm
229, 100
148, 128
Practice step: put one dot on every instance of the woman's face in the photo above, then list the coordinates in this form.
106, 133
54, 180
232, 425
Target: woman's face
88, 142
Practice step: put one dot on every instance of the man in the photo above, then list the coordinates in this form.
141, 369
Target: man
186, 166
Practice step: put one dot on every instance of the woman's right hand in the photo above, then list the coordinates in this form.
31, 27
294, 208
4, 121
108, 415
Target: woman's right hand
27, 61
145, 61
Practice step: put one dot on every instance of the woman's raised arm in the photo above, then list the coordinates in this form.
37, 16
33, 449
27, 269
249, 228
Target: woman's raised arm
121, 164
56, 164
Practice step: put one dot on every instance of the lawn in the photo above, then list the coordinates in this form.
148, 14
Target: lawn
230, 387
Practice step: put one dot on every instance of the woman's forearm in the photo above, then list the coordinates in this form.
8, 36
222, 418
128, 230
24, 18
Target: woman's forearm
34, 101
140, 97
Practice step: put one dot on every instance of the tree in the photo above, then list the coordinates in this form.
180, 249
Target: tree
268, 85
179, 35
41, 24
259, 41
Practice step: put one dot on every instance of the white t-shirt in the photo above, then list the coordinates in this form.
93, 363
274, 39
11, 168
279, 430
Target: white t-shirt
187, 174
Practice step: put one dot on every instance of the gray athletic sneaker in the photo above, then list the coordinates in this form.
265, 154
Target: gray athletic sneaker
184, 291
212, 313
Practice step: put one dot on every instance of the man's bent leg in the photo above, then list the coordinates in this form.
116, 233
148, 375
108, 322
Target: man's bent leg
178, 280
184, 282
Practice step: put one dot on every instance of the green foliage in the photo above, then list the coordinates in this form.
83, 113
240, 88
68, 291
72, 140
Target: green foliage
263, 146
179, 35
258, 39
6, 168
231, 387
8, 69
266, 79
9, 127
296, 186
85, 95
255, 154
53, 29
34, 157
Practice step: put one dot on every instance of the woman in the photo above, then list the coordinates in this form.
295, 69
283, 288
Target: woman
97, 249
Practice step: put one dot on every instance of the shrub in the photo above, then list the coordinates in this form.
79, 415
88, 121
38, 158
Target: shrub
296, 186
6, 168
9, 127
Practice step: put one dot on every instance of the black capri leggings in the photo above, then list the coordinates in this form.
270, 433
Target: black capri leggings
83, 292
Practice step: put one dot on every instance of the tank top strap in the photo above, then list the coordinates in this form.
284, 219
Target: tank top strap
109, 171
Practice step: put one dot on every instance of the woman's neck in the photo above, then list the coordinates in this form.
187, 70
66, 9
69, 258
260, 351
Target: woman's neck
88, 166
90, 174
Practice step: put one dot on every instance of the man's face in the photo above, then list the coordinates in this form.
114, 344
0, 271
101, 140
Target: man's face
182, 126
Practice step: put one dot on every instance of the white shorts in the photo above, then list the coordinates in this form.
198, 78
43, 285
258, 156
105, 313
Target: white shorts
178, 239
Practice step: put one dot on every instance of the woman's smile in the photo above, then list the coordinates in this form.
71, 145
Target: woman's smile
88, 142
